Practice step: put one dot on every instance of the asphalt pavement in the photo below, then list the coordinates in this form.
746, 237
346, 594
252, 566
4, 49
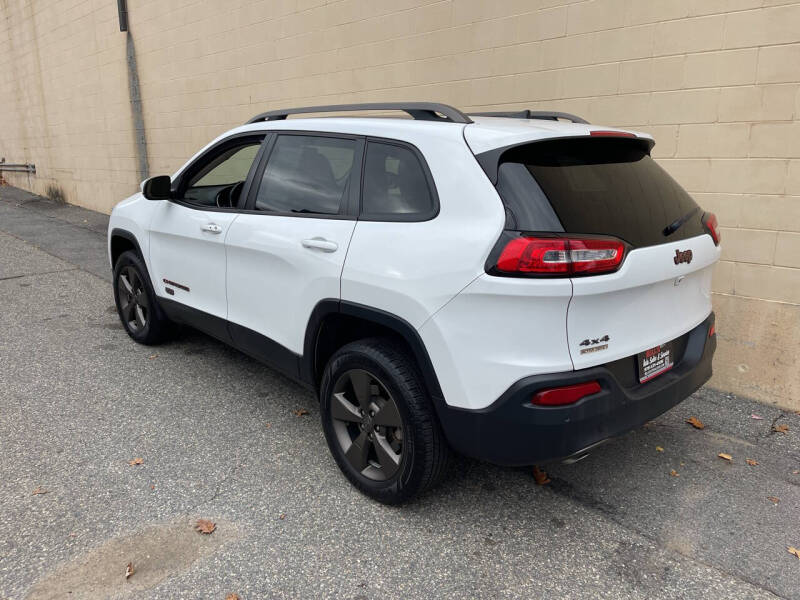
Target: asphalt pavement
654, 514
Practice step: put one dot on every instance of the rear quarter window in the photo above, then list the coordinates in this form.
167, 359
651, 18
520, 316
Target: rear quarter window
397, 186
598, 186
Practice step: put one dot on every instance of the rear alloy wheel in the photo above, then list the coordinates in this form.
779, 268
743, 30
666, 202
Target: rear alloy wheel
379, 422
368, 425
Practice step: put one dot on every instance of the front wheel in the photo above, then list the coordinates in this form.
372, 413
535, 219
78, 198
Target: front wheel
379, 423
136, 301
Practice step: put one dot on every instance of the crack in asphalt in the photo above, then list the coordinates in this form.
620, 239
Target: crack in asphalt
38, 273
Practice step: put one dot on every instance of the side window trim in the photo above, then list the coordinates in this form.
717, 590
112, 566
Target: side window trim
351, 207
190, 169
400, 218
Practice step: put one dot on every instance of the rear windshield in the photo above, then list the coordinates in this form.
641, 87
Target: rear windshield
595, 186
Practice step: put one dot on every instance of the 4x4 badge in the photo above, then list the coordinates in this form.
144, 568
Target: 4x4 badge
684, 256
595, 344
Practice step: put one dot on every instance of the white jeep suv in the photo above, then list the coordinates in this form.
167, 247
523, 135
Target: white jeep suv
517, 287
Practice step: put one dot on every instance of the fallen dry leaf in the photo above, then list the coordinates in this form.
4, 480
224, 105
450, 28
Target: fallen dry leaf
773, 499
232, 597
129, 571
135, 461
300, 412
796, 472
674, 473
282, 517
540, 476
751, 462
756, 417
780, 428
269, 425
659, 449
727, 457
205, 526
695, 422
793, 550
152, 356
38, 491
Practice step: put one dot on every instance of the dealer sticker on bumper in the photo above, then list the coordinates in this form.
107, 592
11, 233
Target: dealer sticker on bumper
655, 361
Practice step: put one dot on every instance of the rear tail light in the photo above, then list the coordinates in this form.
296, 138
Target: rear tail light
560, 256
711, 225
568, 394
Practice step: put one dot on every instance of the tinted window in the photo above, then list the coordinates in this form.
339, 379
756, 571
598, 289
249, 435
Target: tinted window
595, 186
218, 171
395, 186
307, 174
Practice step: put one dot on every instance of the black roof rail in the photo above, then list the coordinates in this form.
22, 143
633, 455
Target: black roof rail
534, 114
421, 111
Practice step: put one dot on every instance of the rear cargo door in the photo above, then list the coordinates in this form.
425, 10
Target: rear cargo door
612, 187
650, 301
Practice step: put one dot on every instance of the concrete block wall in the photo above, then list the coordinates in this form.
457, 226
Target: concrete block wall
717, 82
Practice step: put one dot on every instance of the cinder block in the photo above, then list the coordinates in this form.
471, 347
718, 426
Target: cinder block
757, 103
688, 106
713, 140
697, 34
596, 80
726, 68
749, 245
596, 15
767, 282
775, 140
753, 176
722, 280
764, 27
787, 250
779, 64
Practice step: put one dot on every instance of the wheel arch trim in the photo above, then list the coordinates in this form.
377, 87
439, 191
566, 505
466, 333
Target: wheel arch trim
125, 234
327, 307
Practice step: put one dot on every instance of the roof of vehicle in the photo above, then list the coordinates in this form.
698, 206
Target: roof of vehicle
430, 121
485, 133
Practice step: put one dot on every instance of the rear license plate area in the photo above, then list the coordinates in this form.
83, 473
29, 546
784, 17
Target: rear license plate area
655, 361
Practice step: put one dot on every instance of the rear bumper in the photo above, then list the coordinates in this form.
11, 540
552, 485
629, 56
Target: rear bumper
511, 431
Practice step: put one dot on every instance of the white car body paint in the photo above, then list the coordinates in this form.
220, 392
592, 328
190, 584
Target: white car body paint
183, 251
274, 281
649, 301
482, 333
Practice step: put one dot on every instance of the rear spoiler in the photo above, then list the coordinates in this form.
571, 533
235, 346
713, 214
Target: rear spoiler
490, 160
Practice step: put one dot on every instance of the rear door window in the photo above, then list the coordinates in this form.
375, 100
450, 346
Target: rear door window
307, 175
595, 186
396, 185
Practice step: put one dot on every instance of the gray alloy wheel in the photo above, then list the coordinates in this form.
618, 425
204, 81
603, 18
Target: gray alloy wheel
133, 302
367, 425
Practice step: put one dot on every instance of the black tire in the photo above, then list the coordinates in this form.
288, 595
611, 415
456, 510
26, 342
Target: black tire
137, 306
420, 443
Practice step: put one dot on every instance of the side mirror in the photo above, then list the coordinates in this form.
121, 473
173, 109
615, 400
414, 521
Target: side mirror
157, 188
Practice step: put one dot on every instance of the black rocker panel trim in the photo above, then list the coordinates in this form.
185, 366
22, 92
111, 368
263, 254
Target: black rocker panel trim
265, 350
187, 315
245, 340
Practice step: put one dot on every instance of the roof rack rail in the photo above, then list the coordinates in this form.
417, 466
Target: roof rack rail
421, 111
533, 114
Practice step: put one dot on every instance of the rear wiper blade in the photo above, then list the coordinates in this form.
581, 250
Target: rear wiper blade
678, 223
